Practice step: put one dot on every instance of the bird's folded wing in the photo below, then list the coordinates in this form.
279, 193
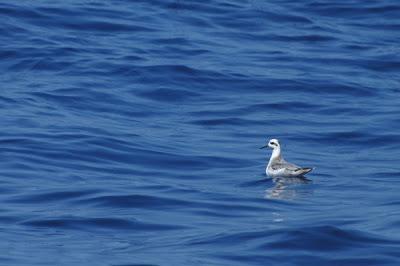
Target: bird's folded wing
285, 165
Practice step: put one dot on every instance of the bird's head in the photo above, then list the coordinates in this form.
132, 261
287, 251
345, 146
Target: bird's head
272, 143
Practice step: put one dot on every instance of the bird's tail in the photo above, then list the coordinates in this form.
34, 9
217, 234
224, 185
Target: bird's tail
304, 170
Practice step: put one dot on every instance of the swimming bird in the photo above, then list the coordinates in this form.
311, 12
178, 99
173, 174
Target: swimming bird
278, 167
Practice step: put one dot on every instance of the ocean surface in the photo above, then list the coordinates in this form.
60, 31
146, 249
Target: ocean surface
130, 132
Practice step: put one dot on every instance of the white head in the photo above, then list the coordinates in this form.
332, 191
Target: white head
272, 143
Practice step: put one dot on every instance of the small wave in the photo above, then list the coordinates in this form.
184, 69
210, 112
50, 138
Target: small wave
61, 196
170, 95
91, 224
137, 201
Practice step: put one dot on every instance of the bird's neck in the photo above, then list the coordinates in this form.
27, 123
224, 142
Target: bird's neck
276, 155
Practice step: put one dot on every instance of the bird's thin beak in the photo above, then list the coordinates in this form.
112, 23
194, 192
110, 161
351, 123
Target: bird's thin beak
263, 147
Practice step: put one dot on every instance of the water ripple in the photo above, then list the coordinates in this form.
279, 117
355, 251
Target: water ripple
133, 127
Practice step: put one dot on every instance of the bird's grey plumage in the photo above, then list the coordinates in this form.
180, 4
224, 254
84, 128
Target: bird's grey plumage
278, 167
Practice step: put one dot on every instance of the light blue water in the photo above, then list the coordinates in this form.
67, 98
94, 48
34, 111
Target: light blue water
130, 132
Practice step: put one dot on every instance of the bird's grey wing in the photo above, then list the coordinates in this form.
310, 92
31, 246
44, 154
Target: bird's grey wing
283, 164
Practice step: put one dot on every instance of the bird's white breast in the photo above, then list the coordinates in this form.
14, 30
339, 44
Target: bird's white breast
274, 172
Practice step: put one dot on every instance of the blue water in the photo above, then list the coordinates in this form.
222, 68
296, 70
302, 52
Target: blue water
130, 132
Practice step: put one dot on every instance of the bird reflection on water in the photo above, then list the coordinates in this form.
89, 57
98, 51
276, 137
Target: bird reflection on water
288, 188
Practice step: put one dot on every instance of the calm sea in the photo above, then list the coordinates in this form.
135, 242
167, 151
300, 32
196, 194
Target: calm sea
130, 132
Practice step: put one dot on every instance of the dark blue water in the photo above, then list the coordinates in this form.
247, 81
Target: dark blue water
130, 132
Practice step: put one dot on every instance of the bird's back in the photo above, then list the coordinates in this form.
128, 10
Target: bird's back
282, 168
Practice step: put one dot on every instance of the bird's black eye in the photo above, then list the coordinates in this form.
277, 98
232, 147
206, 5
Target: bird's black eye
273, 143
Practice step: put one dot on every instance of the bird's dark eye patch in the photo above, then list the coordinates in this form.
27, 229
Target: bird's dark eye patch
273, 143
